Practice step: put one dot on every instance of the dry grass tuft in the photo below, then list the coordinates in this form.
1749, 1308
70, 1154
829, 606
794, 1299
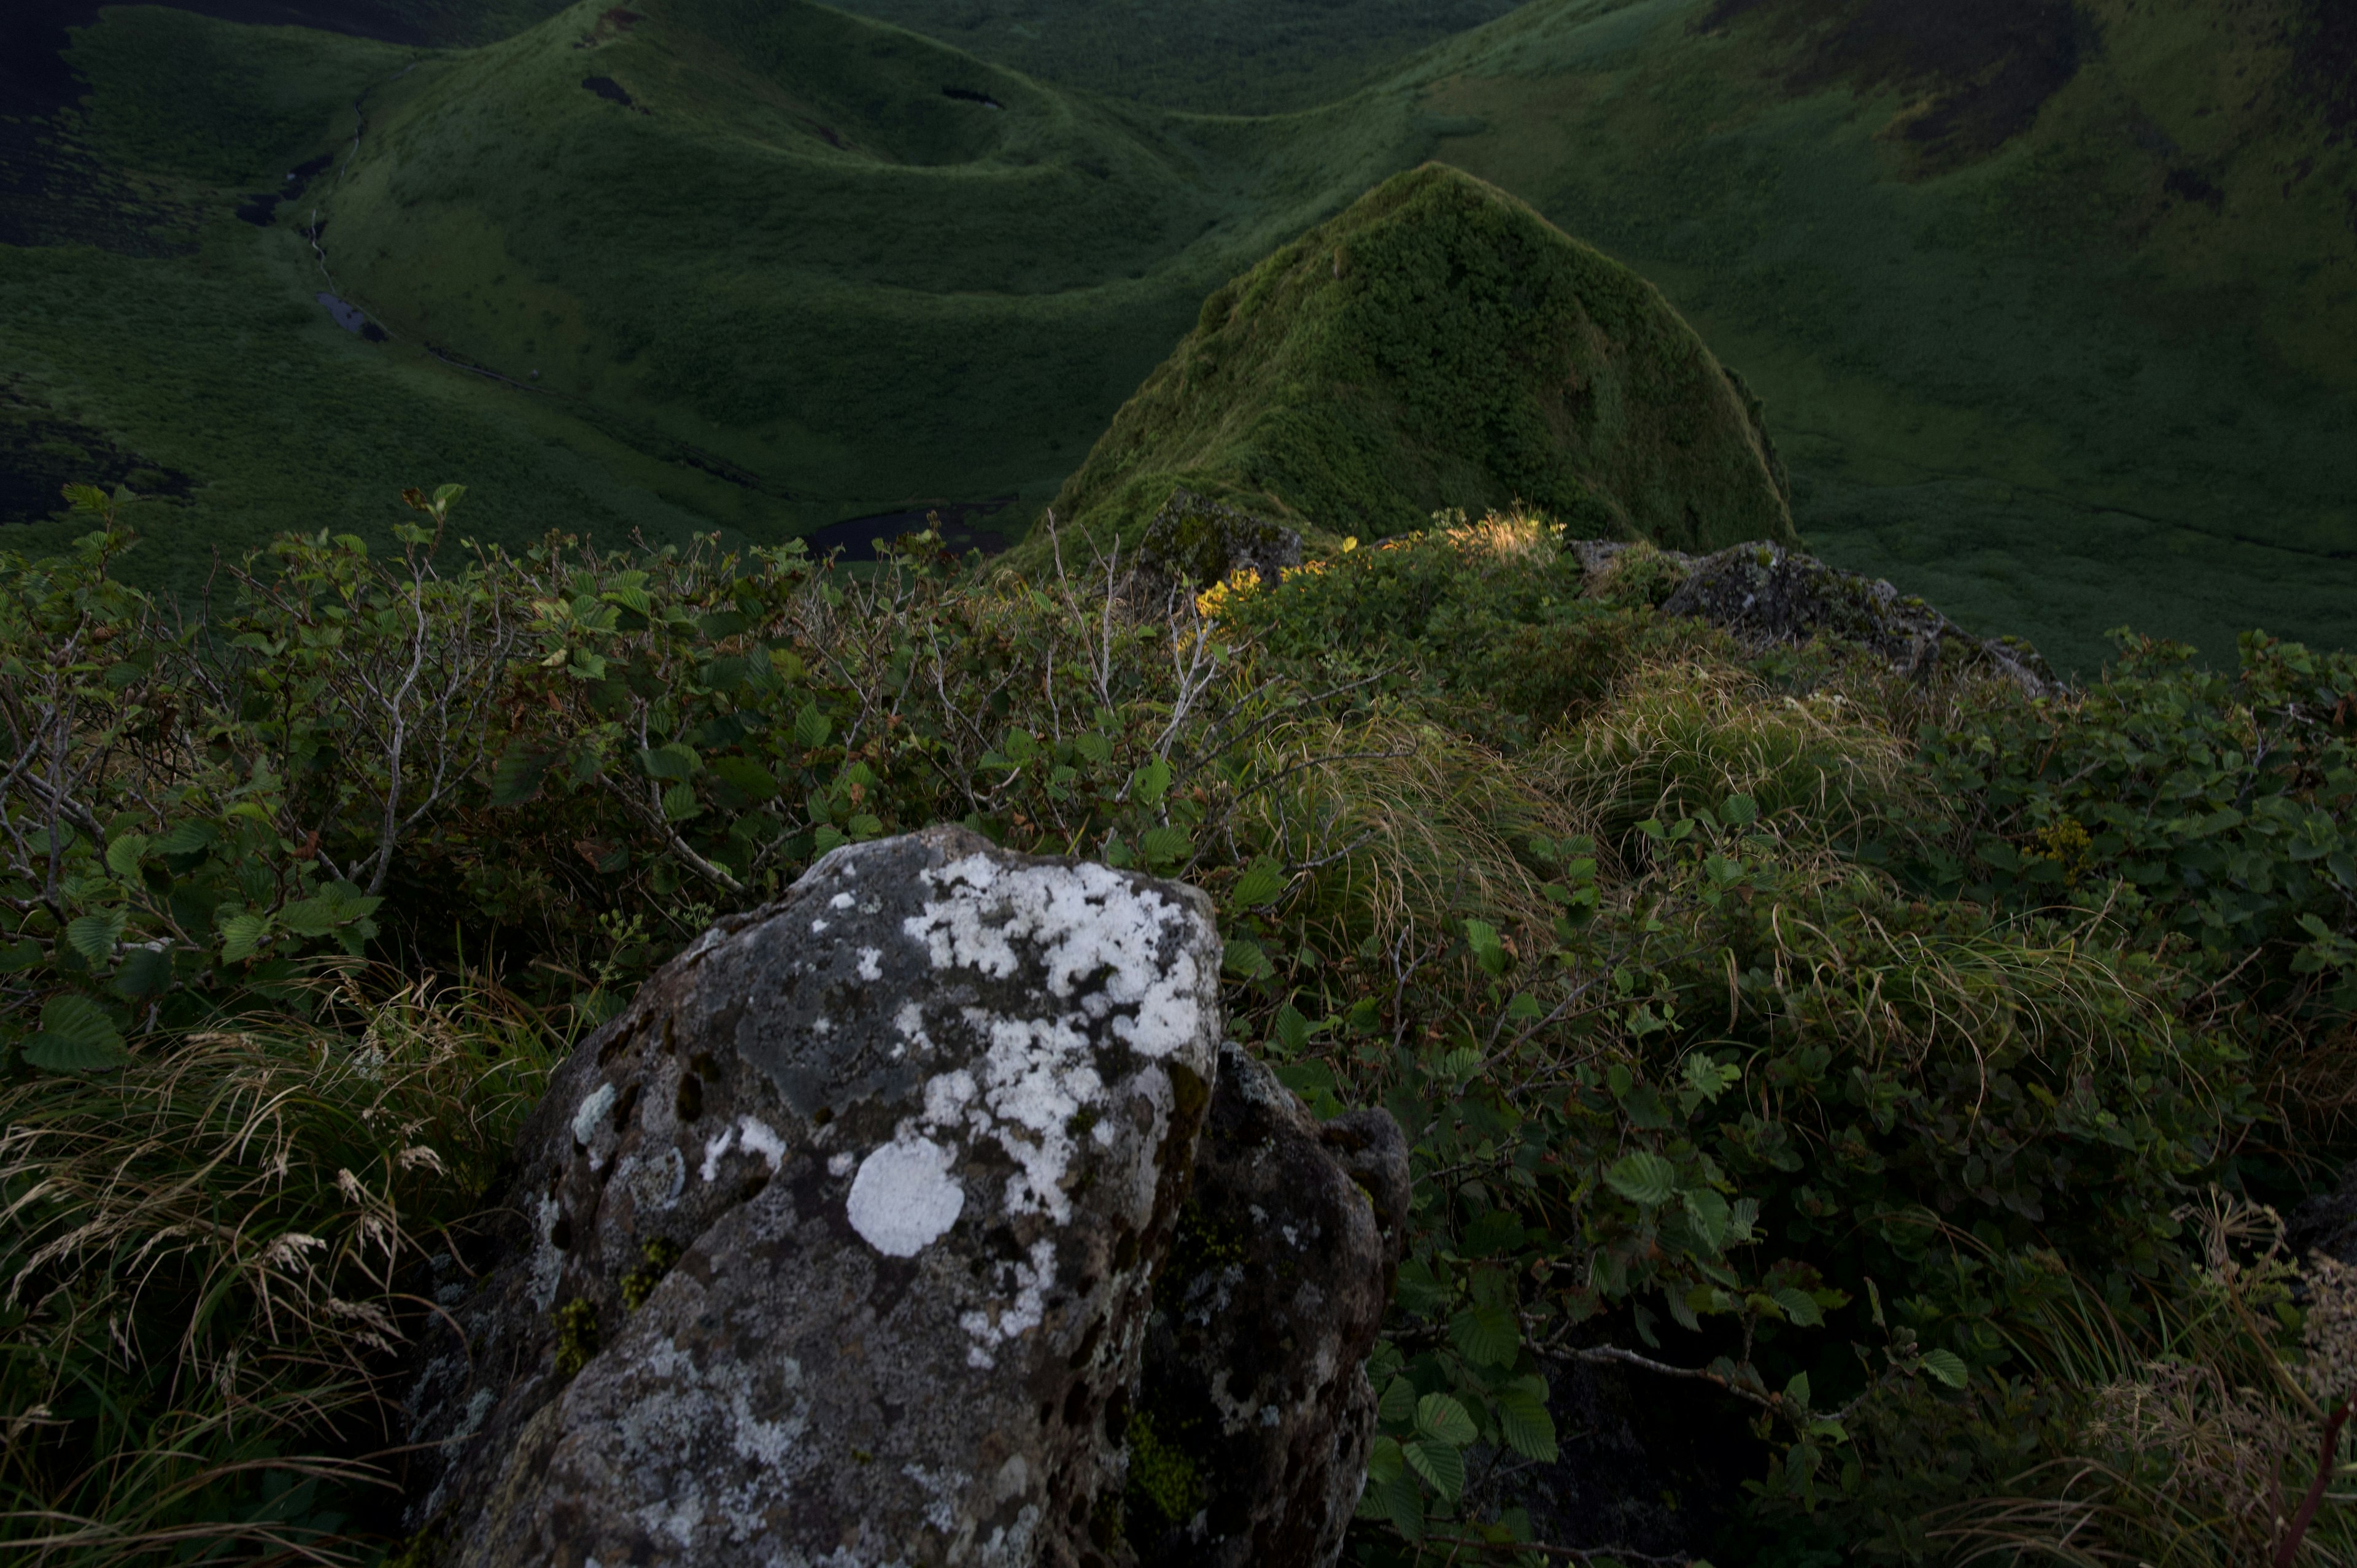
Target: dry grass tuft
202, 1280
1683, 735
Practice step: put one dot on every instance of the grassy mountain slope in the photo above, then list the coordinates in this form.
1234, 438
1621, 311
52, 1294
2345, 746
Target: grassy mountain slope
149, 336
1440, 345
849, 261
1227, 57
2051, 304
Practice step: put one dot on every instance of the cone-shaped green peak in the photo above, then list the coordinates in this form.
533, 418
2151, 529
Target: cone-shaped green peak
1439, 344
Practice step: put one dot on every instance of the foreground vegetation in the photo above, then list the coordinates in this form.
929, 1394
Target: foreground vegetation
1893, 1075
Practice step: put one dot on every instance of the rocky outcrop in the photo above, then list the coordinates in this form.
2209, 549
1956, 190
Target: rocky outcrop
1249, 1444
1766, 594
838, 1247
1194, 541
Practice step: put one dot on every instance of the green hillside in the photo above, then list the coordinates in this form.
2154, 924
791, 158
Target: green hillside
2049, 305
2052, 305
853, 263
1227, 57
1440, 345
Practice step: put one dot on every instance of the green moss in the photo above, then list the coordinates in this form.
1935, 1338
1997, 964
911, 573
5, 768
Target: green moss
640, 1282
1440, 345
1163, 1481
576, 1335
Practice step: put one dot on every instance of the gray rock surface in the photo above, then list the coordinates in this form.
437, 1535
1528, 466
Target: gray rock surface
836, 1247
1766, 594
1196, 542
1249, 1446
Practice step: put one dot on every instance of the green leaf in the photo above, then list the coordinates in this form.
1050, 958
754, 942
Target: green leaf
1442, 1419
95, 936
123, 856
724, 623
1165, 845
1710, 1215
242, 935
1094, 746
1292, 1029
828, 837
188, 838
1397, 1407
1307, 1079
1150, 783
1402, 1503
679, 803
1487, 952
1797, 1390
747, 777
53, 1053
1643, 1178
516, 776
76, 1035
1486, 1336
1440, 1465
147, 971
1247, 958
1261, 882
1948, 1367
670, 761
812, 727
1738, 812
1523, 1421
1798, 1305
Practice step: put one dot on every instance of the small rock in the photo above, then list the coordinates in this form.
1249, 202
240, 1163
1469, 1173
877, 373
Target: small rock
1249, 1446
836, 1247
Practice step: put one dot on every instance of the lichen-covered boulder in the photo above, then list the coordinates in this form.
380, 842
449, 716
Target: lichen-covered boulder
1195, 542
1249, 1443
1766, 594
836, 1247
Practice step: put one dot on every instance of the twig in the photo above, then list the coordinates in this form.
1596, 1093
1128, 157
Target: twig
2308, 1504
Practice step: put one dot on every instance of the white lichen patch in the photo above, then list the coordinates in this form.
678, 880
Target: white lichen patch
904, 1198
592, 1111
653, 1184
871, 963
688, 1412
760, 1139
1027, 1283
1027, 1093
1088, 923
548, 1264
713, 1148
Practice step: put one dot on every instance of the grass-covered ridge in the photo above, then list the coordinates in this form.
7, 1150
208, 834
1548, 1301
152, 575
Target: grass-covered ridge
1890, 1065
1438, 345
